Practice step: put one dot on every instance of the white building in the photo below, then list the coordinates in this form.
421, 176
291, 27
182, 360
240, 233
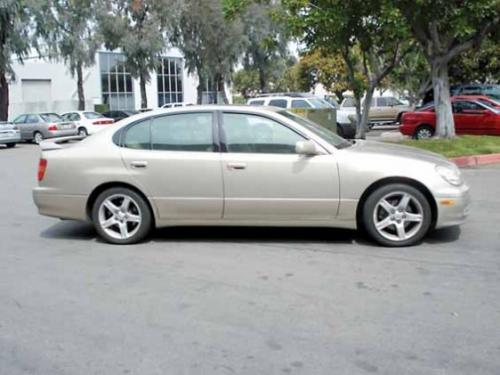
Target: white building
47, 86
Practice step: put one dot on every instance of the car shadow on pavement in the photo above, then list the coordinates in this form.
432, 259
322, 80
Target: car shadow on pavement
74, 230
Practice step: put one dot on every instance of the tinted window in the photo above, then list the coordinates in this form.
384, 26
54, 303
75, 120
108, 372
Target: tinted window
32, 119
466, 106
382, 102
278, 103
50, 117
183, 132
300, 103
256, 134
92, 115
257, 102
138, 136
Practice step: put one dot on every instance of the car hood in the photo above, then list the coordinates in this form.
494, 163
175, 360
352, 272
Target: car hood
396, 150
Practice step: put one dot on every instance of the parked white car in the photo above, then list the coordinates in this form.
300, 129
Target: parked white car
87, 122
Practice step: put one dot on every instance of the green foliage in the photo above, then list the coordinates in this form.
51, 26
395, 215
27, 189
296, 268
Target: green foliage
460, 146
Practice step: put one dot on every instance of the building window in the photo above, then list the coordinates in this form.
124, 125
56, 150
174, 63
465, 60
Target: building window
116, 83
169, 81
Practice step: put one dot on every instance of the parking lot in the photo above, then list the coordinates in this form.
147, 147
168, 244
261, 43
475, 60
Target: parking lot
244, 300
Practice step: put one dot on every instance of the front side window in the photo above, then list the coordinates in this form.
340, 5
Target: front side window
278, 103
257, 102
183, 132
20, 119
300, 103
466, 106
246, 133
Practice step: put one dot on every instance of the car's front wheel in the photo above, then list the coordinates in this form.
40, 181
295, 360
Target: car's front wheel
397, 215
424, 132
10, 145
121, 216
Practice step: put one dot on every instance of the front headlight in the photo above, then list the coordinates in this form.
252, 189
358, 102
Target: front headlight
451, 175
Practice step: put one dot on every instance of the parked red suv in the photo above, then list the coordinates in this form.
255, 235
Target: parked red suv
471, 117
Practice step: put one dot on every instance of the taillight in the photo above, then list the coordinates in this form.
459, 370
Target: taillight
42, 167
103, 122
52, 127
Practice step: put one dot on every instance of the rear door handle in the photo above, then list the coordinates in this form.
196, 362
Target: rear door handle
139, 164
236, 166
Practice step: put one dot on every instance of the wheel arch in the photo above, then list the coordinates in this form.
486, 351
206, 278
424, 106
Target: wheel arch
396, 180
423, 125
108, 185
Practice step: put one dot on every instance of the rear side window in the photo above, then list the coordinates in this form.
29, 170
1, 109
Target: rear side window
92, 115
183, 132
138, 136
256, 102
278, 103
51, 117
32, 119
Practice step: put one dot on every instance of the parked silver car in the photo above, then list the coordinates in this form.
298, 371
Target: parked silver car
9, 134
230, 165
38, 126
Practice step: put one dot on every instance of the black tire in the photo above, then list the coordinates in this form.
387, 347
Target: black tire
82, 131
37, 137
371, 209
143, 211
424, 132
11, 145
340, 131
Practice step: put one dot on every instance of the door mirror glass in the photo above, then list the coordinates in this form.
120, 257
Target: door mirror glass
308, 148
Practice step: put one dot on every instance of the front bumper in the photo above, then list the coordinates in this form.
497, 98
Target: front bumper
453, 208
10, 137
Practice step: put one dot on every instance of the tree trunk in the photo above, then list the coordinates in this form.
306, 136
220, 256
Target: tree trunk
221, 89
262, 80
79, 86
445, 125
357, 104
362, 124
144, 97
199, 89
4, 97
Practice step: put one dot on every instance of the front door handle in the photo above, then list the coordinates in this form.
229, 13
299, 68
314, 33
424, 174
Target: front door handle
236, 166
139, 164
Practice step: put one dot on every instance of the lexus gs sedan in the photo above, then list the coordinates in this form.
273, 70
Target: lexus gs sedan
245, 166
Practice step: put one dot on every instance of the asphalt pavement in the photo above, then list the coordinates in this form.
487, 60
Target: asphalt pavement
244, 300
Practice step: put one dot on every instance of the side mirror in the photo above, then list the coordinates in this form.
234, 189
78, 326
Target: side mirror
308, 148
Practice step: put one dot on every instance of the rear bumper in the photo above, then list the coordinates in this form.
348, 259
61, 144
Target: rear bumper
453, 209
62, 133
58, 205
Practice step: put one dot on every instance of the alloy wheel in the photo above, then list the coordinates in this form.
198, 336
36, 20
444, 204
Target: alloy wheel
120, 216
398, 216
424, 133
38, 138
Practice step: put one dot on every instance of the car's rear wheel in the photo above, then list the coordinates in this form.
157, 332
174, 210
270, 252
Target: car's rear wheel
424, 132
37, 138
397, 215
121, 216
82, 132
10, 145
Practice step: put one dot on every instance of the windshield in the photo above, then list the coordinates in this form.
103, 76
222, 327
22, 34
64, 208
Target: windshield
92, 115
319, 103
51, 117
319, 130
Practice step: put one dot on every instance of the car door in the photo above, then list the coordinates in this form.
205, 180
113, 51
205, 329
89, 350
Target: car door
20, 121
469, 117
265, 180
176, 160
34, 124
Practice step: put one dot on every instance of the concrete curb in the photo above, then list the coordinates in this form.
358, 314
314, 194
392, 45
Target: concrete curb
474, 160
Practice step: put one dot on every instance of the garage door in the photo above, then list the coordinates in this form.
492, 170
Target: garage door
36, 90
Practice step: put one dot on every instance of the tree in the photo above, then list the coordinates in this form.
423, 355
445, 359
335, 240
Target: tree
19, 30
266, 45
411, 77
481, 65
368, 34
72, 32
211, 44
137, 27
445, 29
